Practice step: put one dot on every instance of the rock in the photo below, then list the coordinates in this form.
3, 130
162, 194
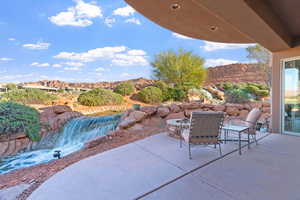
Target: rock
133, 118
174, 108
54, 121
126, 123
179, 115
193, 105
136, 127
187, 113
163, 111
149, 110
61, 109
266, 110
243, 114
231, 110
266, 104
219, 108
256, 104
116, 133
138, 115
95, 142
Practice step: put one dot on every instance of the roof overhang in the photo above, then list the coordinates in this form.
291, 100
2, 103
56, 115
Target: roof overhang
230, 21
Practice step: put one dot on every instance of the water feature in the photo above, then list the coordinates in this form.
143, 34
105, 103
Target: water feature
71, 139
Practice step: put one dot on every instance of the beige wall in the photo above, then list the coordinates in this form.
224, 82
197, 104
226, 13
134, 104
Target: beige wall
277, 59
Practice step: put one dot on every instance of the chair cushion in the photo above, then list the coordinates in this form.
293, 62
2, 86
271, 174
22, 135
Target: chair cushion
253, 116
198, 140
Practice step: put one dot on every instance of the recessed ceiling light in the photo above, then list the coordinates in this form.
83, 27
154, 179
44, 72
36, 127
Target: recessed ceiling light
213, 28
175, 6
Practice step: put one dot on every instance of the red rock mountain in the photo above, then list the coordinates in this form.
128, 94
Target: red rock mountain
236, 73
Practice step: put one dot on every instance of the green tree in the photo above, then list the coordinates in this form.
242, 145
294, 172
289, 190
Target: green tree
11, 86
125, 88
179, 68
263, 57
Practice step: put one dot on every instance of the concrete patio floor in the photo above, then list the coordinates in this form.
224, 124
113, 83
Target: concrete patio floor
153, 168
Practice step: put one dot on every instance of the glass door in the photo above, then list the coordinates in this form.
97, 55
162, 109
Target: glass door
291, 97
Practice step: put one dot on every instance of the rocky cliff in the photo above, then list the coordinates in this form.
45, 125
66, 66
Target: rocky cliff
236, 73
139, 84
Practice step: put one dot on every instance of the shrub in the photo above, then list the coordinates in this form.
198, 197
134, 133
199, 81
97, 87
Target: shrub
100, 97
11, 86
29, 96
176, 94
151, 95
16, 118
124, 89
164, 88
237, 96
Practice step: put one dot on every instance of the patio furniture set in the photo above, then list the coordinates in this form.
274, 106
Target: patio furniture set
210, 128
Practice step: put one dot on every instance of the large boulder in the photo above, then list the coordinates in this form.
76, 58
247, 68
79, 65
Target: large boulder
149, 110
55, 117
219, 108
179, 115
133, 118
232, 110
163, 111
174, 108
193, 105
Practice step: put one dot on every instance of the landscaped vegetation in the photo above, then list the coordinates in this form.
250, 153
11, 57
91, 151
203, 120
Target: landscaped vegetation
17, 118
245, 92
180, 69
125, 89
29, 96
100, 97
151, 95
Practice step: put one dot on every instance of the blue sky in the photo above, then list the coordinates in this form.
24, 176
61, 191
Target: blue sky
89, 41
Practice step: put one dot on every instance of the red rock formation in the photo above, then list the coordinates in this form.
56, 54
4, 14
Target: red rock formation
236, 73
139, 84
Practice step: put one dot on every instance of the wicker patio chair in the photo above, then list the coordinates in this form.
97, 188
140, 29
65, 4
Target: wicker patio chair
205, 129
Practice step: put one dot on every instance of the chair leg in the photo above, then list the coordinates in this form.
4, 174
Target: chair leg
190, 153
180, 141
255, 139
220, 149
215, 146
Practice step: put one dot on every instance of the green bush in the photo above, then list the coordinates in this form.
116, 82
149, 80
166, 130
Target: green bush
29, 96
164, 88
237, 96
176, 94
16, 118
100, 97
125, 89
151, 95
11, 86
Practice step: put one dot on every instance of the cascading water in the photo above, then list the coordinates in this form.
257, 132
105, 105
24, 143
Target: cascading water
71, 139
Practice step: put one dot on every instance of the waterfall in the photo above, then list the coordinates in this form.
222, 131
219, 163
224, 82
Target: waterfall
72, 138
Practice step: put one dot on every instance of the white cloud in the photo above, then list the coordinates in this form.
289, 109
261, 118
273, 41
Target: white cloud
119, 55
11, 39
133, 21
124, 12
15, 77
37, 46
37, 64
73, 64
6, 59
179, 36
218, 62
57, 65
129, 60
92, 55
213, 46
101, 69
72, 68
136, 52
81, 15
109, 21
123, 75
